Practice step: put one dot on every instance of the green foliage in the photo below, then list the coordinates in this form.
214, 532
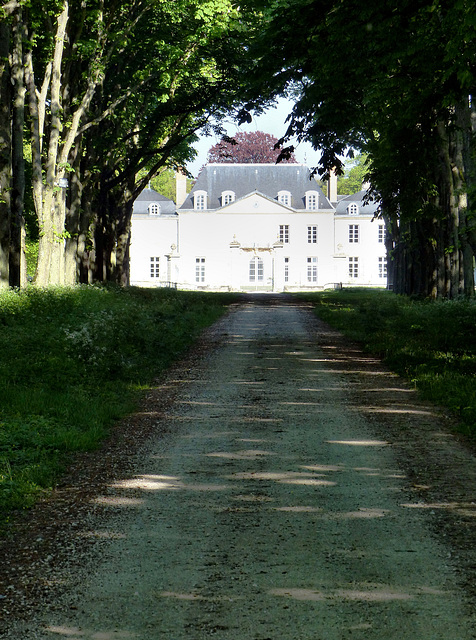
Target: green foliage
354, 177
433, 344
72, 362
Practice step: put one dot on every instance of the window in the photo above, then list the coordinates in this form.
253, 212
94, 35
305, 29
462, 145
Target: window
312, 235
284, 197
353, 233
256, 270
200, 200
154, 268
312, 200
227, 197
382, 267
353, 209
154, 209
353, 267
381, 233
286, 269
284, 233
199, 269
312, 269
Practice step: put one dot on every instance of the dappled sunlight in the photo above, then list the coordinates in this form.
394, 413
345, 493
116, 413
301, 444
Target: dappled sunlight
300, 404
324, 467
309, 482
149, 483
298, 509
367, 593
118, 501
75, 633
361, 513
389, 410
249, 454
196, 402
152, 483
284, 477
462, 508
360, 443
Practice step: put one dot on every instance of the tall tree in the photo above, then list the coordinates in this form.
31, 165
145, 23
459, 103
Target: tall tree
397, 101
114, 88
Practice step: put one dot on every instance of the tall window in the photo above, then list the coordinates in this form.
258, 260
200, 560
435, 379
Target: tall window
286, 269
154, 267
154, 209
200, 200
381, 233
284, 197
227, 197
284, 233
312, 202
353, 267
353, 233
353, 209
256, 270
199, 269
382, 267
312, 269
312, 235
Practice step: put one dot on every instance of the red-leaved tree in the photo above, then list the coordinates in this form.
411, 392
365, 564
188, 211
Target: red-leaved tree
248, 147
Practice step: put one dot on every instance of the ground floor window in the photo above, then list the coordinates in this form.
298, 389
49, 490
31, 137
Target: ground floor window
256, 270
286, 269
382, 267
312, 269
199, 269
353, 267
154, 267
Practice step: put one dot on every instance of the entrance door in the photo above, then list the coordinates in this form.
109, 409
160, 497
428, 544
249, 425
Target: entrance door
259, 274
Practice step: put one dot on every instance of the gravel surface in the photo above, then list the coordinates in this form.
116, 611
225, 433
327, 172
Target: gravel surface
276, 485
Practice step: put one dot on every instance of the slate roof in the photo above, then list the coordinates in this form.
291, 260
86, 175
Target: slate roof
369, 209
267, 179
147, 197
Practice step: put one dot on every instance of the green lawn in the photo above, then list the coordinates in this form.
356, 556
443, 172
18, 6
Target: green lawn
75, 360
433, 344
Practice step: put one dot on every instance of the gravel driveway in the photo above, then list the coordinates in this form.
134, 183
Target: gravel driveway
292, 490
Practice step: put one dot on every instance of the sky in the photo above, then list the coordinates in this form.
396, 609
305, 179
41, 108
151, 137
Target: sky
272, 121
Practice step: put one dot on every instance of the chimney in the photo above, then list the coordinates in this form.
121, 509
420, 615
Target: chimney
332, 186
180, 187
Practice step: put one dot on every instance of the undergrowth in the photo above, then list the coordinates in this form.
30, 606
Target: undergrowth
431, 343
72, 362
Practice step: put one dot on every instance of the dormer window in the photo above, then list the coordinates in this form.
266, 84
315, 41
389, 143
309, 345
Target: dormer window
352, 209
154, 209
284, 197
312, 200
227, 197
200, 200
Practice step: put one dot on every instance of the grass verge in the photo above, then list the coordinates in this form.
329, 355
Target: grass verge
433, 344
72, 362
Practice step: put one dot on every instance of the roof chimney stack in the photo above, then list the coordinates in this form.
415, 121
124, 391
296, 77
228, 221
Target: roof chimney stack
332, 186
180, 187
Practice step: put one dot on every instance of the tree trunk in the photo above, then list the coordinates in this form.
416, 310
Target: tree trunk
5, 153
17, 233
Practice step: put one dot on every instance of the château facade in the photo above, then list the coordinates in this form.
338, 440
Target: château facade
256, 227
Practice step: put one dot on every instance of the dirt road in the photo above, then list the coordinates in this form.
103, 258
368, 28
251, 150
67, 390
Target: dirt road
296, 491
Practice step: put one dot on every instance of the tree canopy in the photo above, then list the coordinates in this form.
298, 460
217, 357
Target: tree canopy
111, 93
247, 147
392, 80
